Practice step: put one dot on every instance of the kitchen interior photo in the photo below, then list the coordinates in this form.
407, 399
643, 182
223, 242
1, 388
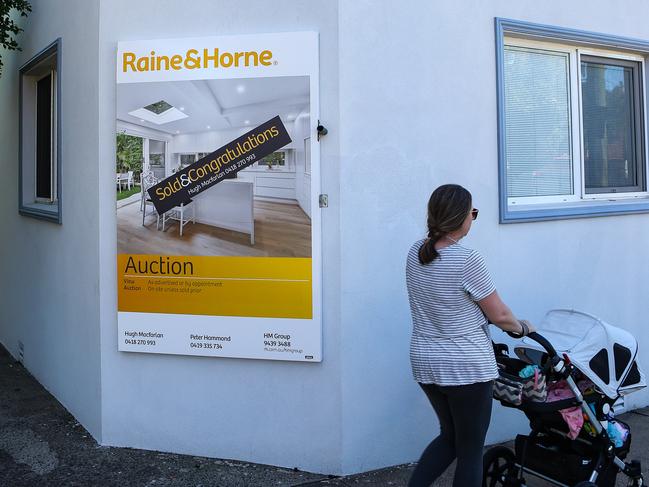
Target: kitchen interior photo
163, 127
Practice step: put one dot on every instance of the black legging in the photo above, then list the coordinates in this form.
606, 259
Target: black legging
464, 413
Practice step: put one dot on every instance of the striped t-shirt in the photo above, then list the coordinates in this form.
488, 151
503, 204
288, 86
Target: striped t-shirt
451, 343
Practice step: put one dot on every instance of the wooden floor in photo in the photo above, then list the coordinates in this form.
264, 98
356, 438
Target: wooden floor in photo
281, 230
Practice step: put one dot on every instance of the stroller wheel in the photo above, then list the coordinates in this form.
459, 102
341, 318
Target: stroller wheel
499, 469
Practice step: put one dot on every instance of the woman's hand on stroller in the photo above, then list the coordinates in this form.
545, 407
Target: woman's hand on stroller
530, 327
525, 328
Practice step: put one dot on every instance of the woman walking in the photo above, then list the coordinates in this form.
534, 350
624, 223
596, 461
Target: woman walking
450, 292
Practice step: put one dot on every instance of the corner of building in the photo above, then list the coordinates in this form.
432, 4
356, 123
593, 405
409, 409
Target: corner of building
50, 297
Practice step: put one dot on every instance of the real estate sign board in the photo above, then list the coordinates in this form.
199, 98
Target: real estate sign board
217, 181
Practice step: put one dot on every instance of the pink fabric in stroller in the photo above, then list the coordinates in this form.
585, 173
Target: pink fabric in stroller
573, 416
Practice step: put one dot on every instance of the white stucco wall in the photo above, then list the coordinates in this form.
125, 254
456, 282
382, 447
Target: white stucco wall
418, 109
270, 412
408, 96
49, 290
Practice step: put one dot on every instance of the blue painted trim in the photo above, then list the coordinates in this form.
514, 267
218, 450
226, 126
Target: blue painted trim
59, 138
545, 214
503, 26
50, 216
20, 140
25, 210
563, 33
500, 102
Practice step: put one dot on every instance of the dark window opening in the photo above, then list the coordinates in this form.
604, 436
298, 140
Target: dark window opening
44, 151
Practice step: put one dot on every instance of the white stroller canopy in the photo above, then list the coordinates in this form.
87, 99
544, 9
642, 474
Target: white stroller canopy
603, 353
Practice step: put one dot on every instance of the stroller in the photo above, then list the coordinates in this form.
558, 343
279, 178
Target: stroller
594, 365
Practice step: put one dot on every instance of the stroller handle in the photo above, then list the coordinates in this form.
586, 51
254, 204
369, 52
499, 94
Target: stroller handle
541, 340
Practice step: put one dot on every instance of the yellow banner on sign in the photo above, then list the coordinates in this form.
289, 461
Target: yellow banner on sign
265, 287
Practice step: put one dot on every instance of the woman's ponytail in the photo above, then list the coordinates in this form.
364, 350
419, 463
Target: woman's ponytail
448, 206
427, 252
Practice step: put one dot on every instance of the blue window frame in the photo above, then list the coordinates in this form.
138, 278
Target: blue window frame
568, 147
39, 194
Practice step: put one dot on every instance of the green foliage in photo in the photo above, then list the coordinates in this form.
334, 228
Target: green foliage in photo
129, 155
274, 159
125, 193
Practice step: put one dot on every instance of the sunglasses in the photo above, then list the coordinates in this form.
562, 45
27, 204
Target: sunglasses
474, 213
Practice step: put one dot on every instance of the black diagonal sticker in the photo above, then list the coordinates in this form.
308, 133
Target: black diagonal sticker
220, 164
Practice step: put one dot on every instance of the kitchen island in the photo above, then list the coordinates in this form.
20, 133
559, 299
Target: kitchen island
230, 205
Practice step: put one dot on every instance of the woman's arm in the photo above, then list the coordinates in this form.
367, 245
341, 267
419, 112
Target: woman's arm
500, 315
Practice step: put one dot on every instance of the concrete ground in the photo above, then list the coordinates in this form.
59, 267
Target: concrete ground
41, 444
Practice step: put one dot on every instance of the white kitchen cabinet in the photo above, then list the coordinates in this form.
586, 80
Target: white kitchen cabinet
270, 183
229, 205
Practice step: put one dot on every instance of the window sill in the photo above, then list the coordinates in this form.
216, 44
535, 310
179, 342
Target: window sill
580, 209
42, 211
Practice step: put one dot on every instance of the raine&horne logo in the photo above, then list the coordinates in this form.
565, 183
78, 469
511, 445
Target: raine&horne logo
195, 59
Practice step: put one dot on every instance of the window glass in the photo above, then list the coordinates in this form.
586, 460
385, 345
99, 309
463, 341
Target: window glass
187, 159
537, 123
274, 159
44, 147
611, 155
157, 158
157, 153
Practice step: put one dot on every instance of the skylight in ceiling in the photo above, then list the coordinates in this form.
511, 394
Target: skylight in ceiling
158, 113
158, 107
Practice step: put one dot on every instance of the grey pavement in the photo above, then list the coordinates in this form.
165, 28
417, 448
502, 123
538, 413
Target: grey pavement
41, 444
